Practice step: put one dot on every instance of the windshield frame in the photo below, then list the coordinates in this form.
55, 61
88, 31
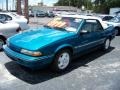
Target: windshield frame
64, 29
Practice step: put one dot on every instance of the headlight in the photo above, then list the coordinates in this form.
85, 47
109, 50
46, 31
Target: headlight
31, 53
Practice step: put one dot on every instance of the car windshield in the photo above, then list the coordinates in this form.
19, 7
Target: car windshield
65, 23
116, 20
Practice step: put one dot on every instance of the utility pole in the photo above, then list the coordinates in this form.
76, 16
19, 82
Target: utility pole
26, 11
19, 11
42, 2
69, 2
13, 4
6, 5
2, 5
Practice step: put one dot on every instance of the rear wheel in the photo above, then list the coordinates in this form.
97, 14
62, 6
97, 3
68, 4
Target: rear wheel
62, 60
106, 45
116, 31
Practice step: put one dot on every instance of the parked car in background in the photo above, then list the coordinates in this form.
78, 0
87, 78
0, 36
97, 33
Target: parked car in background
12, 17
50, 14
57, 42
106, 17
116, 23
59, 13
40, 14
7, 30
31, 14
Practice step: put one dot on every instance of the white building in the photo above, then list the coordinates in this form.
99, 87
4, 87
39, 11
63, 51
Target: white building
51, 8
114, 11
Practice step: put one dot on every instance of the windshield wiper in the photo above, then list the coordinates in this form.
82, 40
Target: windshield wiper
47, 26
59, 28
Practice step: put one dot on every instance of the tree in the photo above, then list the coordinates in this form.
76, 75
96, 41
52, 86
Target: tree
19, 11
75, 3
26, 9
103, 6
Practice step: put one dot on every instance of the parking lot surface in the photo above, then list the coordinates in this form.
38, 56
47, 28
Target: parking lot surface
36, 22
95, 71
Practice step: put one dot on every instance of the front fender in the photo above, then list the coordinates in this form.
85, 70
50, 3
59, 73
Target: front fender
62, 47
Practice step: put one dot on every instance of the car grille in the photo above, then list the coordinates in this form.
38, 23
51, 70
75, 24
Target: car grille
14, 48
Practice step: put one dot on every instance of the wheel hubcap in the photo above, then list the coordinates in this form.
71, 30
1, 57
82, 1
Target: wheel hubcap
107, 44
63, 60
1, 43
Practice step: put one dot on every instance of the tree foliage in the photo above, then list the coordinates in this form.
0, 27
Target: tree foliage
75, 3
103, 6
100, 6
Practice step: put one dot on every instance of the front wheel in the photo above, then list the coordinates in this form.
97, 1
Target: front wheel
61, 61
2, 42
106, 45
116, 31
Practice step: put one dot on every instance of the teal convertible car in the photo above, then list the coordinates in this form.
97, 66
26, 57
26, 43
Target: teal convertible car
59, 41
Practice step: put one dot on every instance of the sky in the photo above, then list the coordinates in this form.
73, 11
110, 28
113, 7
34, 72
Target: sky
46, 2
31, 2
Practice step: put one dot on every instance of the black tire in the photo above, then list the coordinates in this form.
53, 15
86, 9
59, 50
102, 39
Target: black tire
106, 45
55, 65
19, 29
2, 42
116, 31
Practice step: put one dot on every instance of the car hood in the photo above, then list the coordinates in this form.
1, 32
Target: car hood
112, 23
35, 39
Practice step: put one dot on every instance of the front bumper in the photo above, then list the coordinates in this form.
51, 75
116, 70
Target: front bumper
28, 61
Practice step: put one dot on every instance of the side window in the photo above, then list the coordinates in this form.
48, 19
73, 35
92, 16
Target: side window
87, 26
97, 26
107, 18
92, 26
8, 18
2, 17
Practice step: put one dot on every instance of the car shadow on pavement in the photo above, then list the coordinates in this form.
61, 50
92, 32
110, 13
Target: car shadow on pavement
39, 76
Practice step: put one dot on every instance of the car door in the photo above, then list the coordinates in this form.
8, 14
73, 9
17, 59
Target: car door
98, 32
87, 40
8, 29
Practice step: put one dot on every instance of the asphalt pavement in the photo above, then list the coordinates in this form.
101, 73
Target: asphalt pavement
95, 71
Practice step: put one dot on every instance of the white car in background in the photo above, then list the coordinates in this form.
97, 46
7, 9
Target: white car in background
116, 23
106, 17
7, 30
12, 17
65, 13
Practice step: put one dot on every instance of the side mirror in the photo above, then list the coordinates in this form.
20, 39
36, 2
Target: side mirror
83, 32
